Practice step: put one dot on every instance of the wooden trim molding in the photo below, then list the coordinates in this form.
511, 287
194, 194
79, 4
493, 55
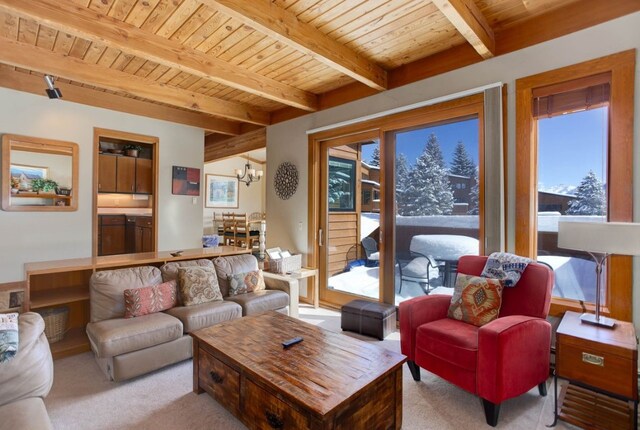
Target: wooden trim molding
621, 67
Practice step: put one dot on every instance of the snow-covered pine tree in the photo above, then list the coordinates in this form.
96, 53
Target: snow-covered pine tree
402, 182
375, 156
474, 195
462, 163
590, 197
429, 191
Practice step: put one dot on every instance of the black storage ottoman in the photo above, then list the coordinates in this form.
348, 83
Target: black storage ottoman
369, 318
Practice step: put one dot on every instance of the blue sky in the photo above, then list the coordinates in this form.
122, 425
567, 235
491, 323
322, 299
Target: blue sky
569, 145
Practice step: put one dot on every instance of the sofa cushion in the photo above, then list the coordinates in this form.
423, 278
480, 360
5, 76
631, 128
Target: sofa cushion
198, 285
27, 414
231, 265
8, 336
260, 301
206, 314
476, 300
30, 373
119, 335
170, 270
107, 289
450, 340
149, 300
241, 283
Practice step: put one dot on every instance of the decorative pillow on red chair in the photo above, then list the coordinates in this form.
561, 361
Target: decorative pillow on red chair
476, 300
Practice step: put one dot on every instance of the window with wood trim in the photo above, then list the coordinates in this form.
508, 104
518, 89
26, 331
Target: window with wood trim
574, 145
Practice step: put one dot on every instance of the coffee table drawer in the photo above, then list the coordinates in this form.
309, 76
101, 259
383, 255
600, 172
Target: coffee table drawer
263, 411
597, 368
219, 380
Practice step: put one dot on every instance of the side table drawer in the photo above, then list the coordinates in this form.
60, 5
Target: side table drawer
599, 369
263, 411
219, 380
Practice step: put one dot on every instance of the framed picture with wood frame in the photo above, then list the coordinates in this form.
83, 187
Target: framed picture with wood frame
222, 192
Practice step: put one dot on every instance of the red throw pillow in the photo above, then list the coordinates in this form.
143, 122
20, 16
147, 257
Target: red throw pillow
476, 300
149, 300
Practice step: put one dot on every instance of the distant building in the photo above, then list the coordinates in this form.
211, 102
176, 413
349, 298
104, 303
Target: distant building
554, 202
370, 188
461, 187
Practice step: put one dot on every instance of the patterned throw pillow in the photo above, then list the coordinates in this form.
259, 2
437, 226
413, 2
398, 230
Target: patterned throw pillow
198, 285
8, 336
476, 300
149, 300
247, 282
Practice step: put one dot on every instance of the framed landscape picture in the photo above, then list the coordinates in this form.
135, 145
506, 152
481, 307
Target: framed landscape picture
221, 192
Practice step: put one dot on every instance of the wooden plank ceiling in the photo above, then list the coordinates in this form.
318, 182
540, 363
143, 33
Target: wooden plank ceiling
230, 66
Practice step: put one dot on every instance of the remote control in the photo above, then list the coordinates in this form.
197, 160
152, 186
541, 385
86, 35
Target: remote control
287, 343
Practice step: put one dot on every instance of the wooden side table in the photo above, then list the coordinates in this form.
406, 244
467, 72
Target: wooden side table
600, 359
305, 272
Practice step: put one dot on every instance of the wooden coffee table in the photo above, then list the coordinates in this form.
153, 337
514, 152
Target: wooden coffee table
328, 381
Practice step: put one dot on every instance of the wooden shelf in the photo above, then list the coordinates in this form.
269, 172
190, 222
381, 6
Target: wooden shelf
75, 341
58, 296
40, 196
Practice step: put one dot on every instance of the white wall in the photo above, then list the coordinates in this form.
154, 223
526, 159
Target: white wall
287, 141
251, 198
40, 236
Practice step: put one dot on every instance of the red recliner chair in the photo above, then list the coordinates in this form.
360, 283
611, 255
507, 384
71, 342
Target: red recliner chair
498, 361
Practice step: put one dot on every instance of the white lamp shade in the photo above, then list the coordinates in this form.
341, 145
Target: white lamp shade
622, 238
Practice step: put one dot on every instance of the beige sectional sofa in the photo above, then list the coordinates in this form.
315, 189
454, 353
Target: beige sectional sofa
27, 378
128, 347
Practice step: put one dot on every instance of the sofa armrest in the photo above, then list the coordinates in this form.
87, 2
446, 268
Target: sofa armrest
418, 311
289, 285
513, 356
30, 372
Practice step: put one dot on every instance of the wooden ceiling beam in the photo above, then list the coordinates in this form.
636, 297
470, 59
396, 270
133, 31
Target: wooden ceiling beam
100, 28
284, 26
34, 84
547, 26
45, 61
467, 18
216, 149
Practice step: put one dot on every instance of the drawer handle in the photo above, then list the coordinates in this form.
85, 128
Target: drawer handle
274, 420
216, 377
593, 359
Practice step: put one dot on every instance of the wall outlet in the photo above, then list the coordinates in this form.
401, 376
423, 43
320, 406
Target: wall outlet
299, 225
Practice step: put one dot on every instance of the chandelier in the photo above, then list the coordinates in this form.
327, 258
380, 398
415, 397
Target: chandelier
250, 175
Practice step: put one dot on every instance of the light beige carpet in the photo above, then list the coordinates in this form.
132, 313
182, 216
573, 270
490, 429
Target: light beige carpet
82, 398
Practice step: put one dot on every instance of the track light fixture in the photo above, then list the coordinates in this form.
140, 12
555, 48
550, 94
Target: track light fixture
52, 92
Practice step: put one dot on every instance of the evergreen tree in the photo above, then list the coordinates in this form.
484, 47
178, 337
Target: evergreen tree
429, 192
462, 163
375, 156
402, 182
590, 197
474, 194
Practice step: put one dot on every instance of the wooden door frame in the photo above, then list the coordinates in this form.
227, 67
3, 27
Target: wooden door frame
438, 113
123, 135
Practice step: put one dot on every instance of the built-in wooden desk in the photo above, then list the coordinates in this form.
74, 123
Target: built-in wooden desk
66, 283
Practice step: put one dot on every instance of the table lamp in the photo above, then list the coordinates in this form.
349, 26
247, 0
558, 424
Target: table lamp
599, 239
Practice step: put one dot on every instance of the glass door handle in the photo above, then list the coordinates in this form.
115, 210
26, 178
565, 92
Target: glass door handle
320, 237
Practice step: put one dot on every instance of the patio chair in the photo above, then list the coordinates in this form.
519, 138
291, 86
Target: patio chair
372, 255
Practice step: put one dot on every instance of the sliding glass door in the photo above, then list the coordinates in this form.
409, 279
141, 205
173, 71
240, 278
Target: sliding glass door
349, 219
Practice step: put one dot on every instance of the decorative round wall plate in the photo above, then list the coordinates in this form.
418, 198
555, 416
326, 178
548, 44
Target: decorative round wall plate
285, 181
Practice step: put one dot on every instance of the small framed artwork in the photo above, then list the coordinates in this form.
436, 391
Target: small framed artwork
11, 300
23, 174
185, 181
221, 192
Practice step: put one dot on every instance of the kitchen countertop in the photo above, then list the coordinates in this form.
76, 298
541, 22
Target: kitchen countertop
125, 211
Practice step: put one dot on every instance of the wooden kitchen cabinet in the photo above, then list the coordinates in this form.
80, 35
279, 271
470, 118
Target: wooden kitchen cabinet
112, 235
144, 234
126, 176
144, 176
107, 169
